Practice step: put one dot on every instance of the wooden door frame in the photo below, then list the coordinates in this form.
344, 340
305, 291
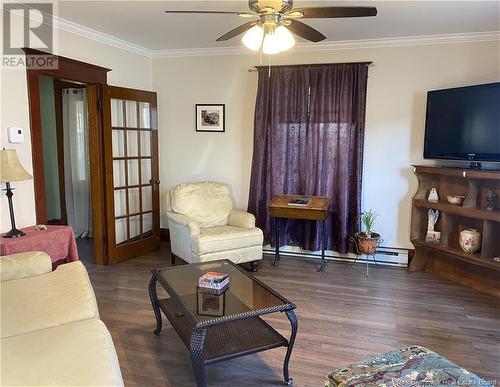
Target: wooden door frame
94, 77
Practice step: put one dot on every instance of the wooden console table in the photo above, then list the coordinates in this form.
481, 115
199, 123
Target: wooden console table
316, 210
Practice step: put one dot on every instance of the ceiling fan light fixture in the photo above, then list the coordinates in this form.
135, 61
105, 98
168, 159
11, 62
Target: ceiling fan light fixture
253, 38
285, 37
279, 40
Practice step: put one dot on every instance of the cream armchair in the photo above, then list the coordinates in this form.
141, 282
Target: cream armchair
204, 226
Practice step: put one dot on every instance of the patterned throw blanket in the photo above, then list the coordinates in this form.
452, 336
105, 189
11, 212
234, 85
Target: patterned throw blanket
408, 367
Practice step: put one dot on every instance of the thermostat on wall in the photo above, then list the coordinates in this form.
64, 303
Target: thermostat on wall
16, 135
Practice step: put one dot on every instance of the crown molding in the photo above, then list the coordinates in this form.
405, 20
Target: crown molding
467, 37
89, 33
343, 45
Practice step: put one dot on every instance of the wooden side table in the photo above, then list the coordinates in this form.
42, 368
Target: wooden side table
316, 210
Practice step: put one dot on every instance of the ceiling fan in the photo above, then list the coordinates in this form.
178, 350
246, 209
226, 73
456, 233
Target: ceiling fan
274, 20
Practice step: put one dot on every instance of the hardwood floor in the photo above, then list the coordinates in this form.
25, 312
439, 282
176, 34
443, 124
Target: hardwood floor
343, 317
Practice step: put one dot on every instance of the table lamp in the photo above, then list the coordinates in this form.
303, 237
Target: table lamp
11, 170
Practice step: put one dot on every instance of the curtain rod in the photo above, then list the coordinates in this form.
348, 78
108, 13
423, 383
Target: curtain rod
256, 68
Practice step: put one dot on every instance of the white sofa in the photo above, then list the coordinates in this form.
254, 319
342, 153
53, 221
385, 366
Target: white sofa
51, 333
204, 226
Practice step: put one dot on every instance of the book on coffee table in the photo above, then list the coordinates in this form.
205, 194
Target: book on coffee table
213, 280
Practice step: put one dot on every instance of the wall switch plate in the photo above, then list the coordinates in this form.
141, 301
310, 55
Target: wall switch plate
16, 135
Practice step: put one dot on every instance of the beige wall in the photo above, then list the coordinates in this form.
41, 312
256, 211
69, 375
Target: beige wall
129, 70
397, 88
394, 124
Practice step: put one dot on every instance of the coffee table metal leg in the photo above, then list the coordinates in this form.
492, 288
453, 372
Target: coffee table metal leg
293, 322
277, 241
196, 349
156, 305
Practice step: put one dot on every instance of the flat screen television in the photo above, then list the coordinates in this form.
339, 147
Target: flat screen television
463, 123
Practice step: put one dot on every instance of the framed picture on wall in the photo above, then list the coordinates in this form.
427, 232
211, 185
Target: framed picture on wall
210, 118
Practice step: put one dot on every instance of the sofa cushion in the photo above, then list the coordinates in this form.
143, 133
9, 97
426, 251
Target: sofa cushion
207, 203
62, 296
74, 354
24, 265
213, 239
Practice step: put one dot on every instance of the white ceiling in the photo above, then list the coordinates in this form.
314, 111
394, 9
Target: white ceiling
145, 24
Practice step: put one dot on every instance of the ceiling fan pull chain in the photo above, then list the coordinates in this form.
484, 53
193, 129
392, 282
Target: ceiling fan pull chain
269, 56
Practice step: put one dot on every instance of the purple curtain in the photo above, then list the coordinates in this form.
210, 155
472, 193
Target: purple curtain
308, 139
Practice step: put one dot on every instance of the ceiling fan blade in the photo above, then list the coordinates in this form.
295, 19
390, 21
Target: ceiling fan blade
238, 30
306, 32
335, 12
243, 14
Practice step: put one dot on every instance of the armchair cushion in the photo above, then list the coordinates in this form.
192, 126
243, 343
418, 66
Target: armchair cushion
207, 203
238, 218
24, 265
222, 238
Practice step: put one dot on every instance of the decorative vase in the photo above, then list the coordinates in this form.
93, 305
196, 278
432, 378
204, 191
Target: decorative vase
470, 240
366, 245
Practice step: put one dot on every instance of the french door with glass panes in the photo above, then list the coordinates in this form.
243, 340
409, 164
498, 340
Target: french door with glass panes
131, 161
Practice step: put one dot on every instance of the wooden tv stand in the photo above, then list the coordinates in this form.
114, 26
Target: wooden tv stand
481, 270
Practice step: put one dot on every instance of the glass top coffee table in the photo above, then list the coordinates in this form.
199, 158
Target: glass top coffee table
220, 327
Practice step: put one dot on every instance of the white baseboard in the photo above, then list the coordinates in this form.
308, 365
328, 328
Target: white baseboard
385, 255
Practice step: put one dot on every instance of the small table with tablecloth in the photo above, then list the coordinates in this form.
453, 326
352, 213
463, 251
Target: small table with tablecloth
57, 241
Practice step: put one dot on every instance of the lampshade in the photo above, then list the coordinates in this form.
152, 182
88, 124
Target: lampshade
10, 167
279, 40
253, 38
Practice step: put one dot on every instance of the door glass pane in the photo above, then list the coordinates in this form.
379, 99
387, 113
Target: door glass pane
134, 201
135, 226
133, 172
147, 198
147, 222
144, 114
117, 113
145, 171
131, 114
132, 146
120, 230
118, 143
119, 173
145, 143
120, 202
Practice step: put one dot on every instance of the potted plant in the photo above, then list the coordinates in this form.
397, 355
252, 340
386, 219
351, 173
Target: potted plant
367, 240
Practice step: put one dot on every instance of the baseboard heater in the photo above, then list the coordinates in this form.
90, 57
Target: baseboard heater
387, 256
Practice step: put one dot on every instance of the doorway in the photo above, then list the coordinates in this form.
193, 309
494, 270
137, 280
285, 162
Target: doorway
124, 218
66, 159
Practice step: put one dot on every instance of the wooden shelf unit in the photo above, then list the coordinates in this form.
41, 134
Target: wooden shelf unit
480, 270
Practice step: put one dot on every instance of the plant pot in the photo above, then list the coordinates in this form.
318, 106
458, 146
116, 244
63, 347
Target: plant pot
366, 245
